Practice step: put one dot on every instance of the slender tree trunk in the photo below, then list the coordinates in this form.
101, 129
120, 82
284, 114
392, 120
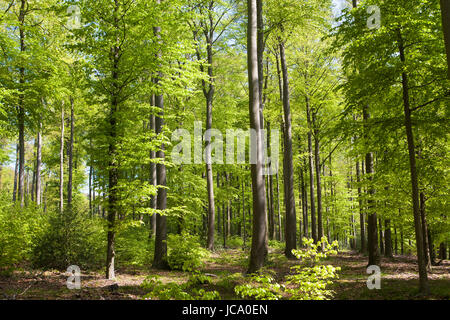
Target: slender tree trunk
380, 231
305, 205
271, 212
280, 231
244, 222
318, 178
362, 223
388, 239
423, 220
288, 168
21, 107
16, 174
153, 175
38, 164
445, 11
423, 278
258, 251
311, 173
90, 190
374, 252
69, 182
61, 162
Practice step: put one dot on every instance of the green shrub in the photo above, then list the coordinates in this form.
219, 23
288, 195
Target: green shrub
133, 246
261, 287
71, 238
18, 230
185, 252
175, 291
310, 280
235, 242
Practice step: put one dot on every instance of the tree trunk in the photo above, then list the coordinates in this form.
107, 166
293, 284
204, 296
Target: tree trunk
272, 233
288, 168
311, 173
69, 182
423, 279
258, 251
153, 175
380, 231
388, 239
305, 205
61, 162
21, 107
362, 223
423, 219
113, 166
16, 174
318, 178
208, 91
280, 231
160, 256
445, 11
38, 164
374, 252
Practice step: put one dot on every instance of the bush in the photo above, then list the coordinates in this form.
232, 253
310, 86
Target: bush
133, 246
262, 287
175, 291
71, 238
235, 242
310, 280
18, 229
185, 252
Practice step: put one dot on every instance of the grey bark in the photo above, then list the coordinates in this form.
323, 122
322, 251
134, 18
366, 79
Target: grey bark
258, 251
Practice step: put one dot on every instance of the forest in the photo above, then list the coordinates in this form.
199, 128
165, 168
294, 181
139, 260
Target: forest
224, 150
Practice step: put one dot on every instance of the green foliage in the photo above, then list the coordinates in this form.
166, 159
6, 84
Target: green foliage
70, 238
230, 281
133, 246
18, 229
310, 281
235, 242
185, 252
174, 291
261, 287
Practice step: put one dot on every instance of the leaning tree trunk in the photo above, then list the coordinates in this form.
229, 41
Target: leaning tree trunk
423, 278
288, 168
258, 251
445, 10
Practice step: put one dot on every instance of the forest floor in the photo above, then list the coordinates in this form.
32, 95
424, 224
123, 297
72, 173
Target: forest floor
399, 279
